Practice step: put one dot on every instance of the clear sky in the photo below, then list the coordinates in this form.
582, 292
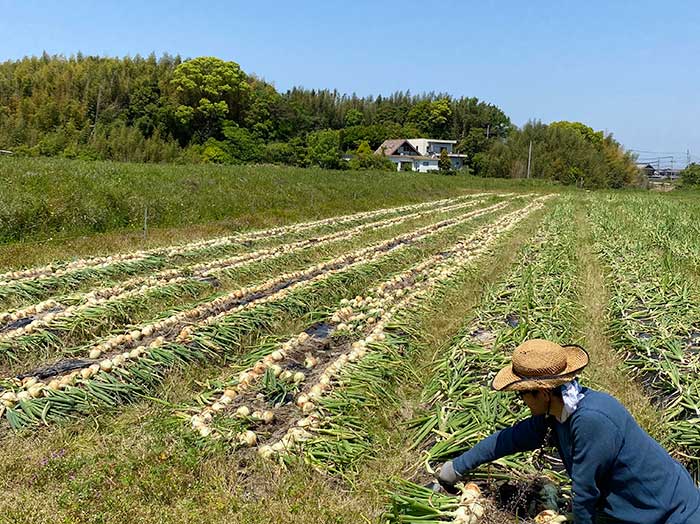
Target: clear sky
629, 67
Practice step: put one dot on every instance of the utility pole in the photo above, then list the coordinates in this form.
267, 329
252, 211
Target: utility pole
488, 128
529, 159
687, 157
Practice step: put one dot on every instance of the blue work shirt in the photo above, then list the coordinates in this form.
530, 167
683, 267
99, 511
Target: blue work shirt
614, 465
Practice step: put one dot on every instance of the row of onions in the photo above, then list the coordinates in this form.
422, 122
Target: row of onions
44, 313
136, 360
538, 299
33, 281
100, 309
655, 309
345, 373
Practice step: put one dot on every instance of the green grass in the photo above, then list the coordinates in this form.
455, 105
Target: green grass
54, 197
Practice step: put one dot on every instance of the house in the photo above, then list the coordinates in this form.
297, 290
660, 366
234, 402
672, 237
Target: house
433, 148
406, 156
646, 169
420, 154
659, 174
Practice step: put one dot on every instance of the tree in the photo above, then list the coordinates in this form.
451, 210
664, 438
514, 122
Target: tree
690, 176
353, 117
323, 149
208, 91
366, 159
363, 155
241, 144
444, 163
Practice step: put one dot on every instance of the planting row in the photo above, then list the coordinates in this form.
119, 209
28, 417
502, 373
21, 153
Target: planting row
109, 265
137, 359
299, 391
538, 300
655, 318
49, 319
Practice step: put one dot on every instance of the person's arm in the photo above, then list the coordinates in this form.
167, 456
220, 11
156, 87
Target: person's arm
596, 442
523, 436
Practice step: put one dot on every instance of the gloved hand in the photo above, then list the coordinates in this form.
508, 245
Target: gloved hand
448, 477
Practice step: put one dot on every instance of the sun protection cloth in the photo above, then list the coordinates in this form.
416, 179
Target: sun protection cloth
615, 467
571, 395
540, 363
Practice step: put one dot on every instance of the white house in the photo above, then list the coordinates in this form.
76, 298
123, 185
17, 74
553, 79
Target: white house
433, 148
406, 156
419, 154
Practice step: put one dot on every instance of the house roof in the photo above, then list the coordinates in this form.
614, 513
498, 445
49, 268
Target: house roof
389, 147
411, 158
437, 140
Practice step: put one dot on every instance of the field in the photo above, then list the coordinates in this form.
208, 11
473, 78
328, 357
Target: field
317, 368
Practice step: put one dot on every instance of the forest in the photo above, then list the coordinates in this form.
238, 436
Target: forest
207, 110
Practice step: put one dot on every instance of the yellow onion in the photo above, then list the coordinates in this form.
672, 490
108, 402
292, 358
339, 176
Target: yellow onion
265, 452
36, 390
242, 412
247, 438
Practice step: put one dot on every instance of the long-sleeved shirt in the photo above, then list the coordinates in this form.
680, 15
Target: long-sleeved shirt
614, 465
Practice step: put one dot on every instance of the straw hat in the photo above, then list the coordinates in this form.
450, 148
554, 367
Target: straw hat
540, 363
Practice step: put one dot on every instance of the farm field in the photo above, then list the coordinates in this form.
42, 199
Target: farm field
318, 370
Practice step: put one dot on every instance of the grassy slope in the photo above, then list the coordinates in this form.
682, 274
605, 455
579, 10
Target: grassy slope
98, 207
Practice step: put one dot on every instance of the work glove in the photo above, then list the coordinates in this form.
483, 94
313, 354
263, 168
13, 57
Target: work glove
448, 477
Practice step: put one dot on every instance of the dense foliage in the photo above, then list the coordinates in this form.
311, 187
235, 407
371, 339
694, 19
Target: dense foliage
690, 176
567, 152
208, 110
205, 109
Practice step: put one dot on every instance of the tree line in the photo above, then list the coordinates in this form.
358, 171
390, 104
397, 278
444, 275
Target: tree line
166, 109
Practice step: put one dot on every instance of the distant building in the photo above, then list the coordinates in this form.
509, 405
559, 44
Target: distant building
659, 174
406, 156
646, 169
424, 153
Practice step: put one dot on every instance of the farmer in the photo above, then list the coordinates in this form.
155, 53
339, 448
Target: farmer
617, 470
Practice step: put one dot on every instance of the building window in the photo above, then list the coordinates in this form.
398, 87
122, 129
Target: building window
426, 163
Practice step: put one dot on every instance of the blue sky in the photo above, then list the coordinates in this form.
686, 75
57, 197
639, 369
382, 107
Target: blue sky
632, 68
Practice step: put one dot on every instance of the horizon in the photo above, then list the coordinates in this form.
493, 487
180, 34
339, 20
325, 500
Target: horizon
580, 63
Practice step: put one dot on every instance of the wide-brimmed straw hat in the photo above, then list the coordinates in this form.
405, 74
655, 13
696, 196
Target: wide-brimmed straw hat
540, 363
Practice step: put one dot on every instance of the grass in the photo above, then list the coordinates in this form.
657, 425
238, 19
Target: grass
606, 371
59, 198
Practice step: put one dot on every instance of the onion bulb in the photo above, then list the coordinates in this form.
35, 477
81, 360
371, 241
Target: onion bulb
247, 438
265, 452
242, 412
